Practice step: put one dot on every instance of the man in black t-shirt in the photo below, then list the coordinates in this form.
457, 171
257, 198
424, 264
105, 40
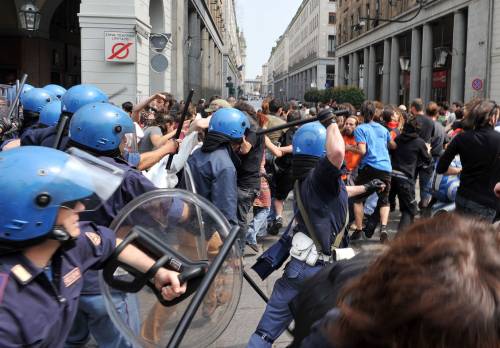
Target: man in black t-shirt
248, 172
426, 126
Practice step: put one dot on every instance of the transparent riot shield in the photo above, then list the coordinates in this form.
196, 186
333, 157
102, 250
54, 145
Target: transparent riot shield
181, 231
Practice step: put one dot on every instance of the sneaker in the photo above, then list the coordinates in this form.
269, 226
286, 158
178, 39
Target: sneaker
384, 236
356, 235
275, 227
369, 229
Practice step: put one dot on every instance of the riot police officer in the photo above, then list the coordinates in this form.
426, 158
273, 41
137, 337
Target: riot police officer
56, 90
214, 164
75, 98
108, 133
318, 154
33, 102
49, 115
45, 250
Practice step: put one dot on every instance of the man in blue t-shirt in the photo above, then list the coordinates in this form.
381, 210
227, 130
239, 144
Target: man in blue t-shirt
373, 141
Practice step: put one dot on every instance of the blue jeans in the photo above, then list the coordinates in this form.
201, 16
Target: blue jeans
258, 225
277, 315
93, 319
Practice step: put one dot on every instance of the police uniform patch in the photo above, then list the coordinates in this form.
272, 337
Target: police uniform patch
4, 279
71, 277
21, 274
94, 238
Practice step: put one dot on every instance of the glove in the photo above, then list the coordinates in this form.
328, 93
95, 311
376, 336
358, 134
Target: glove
376, 185
326, 117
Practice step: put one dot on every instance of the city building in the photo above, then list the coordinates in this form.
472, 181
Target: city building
304, 56
434, 49
264, 89
493, 87
129, 48
252, 87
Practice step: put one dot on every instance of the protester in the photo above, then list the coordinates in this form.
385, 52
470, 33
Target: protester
158, 133
373, 142
479, 151
410, 154
248, 171
353, 155
283, 178
426, 126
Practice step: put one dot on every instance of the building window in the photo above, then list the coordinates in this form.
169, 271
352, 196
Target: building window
332, 18
331, 45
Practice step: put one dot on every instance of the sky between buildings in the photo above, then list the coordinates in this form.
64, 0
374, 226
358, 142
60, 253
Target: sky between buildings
262, 22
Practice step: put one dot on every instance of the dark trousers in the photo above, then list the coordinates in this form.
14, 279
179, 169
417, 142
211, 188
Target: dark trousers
245, 203
467, 207
404, 189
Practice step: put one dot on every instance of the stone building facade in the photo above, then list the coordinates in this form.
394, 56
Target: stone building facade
70, 46
434, 49
303, 57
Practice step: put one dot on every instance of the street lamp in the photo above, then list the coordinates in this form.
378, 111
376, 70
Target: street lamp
29, 16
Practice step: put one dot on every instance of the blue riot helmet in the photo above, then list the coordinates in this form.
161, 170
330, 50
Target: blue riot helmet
310, 140
230, 122
81, 95
49, 116
35, 99
48, 180
11, 94
105, 128
56, 90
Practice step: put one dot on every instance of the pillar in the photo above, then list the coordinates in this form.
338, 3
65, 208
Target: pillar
458, 57
341, 78
386, 73
355, 69
394, 72
366, 58
415, 63
372, 71
205, 78
427, 60
194, 54
350, 71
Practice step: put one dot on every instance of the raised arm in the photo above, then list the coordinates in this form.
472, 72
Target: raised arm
335, 146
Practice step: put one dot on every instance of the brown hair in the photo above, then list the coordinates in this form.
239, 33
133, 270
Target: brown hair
347, 106
437, 286
432, 109
265, 106
479, 113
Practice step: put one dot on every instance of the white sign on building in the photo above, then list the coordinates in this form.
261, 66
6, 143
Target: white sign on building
119, 47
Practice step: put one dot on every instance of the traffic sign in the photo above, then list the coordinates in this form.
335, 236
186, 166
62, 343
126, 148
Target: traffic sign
477, 84
119, 47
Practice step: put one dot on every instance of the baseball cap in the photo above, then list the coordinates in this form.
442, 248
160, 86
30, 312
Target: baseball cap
221, 103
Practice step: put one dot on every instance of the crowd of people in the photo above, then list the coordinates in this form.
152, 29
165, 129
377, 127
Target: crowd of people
348, 168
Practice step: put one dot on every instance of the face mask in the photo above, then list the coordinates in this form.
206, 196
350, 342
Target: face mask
133, 158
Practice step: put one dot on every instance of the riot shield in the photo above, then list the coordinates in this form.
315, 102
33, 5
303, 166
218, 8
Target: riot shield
181, 231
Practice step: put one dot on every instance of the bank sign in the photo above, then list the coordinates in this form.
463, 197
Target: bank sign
119, 47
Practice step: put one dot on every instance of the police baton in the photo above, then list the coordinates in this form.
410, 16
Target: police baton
301, 122
18, 95
61, 127
181, 124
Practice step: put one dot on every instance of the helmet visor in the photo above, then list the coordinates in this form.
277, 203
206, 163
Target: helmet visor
88, 180
129, 143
